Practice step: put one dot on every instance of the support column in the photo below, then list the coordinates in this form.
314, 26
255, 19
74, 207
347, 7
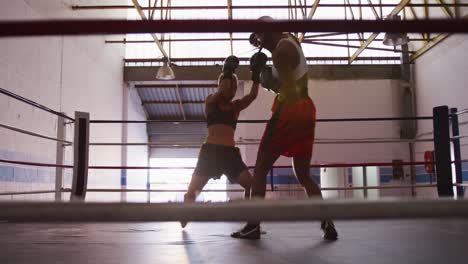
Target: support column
124, 139
442, 151
333, 177
148, 178
363, 177
358, 181
373, 179
412, 170
80, 156
457, 152
60, 156
272, 184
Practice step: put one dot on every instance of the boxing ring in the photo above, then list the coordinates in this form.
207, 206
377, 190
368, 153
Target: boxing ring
75, 231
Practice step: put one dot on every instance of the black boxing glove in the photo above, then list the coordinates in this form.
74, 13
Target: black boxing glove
269, 81
230, 65
257, 63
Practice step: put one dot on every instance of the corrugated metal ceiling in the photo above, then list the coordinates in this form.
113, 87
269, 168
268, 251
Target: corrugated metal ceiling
161, 101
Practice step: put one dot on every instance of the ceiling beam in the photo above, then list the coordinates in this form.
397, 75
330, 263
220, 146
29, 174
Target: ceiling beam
429, 46
373, 36
351, 46
360, 34
445, 9
181, 86
151, 16
311, 14
181, 103
229, 8
173, 102
124, 41
245, 59
76, 27
374, 10
155, 38
250, 7
187, 74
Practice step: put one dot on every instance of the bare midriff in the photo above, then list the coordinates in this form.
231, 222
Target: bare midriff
220, 134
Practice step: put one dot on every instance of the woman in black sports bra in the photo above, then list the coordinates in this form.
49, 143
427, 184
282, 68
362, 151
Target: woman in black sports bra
218, 155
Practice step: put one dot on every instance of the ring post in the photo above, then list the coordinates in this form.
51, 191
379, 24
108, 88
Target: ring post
457, 152
80, 156
59, 158
442, 151
364, 180
272, 185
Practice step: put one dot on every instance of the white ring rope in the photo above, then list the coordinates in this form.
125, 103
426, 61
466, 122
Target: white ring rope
302, 210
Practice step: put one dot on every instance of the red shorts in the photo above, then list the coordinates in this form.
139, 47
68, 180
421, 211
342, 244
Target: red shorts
291, 130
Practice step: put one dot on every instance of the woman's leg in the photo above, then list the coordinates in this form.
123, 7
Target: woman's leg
245, 180
195, 187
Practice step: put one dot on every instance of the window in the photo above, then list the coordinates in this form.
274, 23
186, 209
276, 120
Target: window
175, 177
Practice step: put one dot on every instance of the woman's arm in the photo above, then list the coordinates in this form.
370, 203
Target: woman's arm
245, 101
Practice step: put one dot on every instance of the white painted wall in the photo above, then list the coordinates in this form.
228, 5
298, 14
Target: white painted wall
440, 79
66, 74
435, 86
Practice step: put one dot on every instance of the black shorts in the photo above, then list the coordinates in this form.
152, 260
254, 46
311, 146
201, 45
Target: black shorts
216, 160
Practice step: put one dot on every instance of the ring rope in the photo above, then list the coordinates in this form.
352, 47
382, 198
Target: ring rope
323, 165
257, 210
318, 142
29, 192
37, 164
31, 102
100, 27
263, 121
34, 134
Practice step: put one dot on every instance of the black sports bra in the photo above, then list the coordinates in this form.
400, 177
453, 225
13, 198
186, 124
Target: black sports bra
218, 116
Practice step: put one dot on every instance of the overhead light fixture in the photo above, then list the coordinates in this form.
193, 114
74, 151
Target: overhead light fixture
165, 72
395, 39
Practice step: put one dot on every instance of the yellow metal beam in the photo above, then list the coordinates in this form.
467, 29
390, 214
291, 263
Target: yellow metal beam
445, 9
360, 35
373, 9
181, 104
152, 11
229, 5
455, 9
143, 17
311, 14
413, 13
426, 16
416, 18
374, 35
428, 46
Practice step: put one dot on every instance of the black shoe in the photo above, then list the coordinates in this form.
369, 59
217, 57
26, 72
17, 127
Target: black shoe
329, 231
248, 232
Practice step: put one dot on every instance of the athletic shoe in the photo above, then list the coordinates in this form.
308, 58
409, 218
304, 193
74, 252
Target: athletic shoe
329, 231
248, 232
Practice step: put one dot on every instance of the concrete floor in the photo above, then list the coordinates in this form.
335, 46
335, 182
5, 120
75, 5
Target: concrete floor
409, 241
